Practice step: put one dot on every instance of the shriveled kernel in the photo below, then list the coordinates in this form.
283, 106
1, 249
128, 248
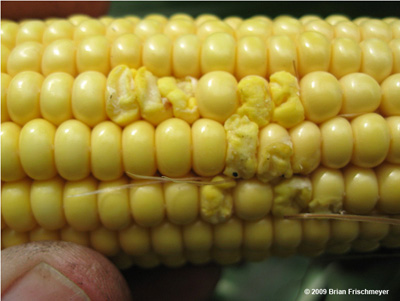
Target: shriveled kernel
208, 147
11, 168
166, 239
173, 147
5, 83
375, 28
306, 139
218, 53
314, 52
59, 56
147, 204
274, 153
93, 54
105, 241
216, 95
285, 94
377, 59
88, 28
186, 56
255, 28
258, 235
181, 202
345, 57
251, 57
118, 27
55, 97
282, 55
390, 104
156, 54
135, 240
347, 29
228, 235
47, 203
15, 206
394, 148
138, 149
126, 50
291, 196
106, 157
79, 237
361, 190
57, 30
213, 26
321, 96
328, 190
336, 142
252, 200
88, 93
361, 94
388, 178
25, 57
147, 27
121, 104
371, 140
36, 149
81, 210
30, 31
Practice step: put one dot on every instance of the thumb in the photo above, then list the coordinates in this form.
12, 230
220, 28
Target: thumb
59, 271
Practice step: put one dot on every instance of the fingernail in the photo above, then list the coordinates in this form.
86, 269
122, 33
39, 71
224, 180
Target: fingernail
44, 282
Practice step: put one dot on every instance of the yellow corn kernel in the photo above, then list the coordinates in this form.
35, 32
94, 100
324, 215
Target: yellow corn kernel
274, 153
126, 50
40, 234
30, 31
15, 206
394, 148
395, 47
181, 202
59, 56
377, 59
255, 28
286, 25
5, 53
88, 93
57, 30
186, 56
321, 96
181, 16
156, 54
371, 140
147, 27
345, 57
291, 196
390, 103
36, 149
135, 240
104, 241
157, 17
358, 21
252, 200
93, 54
9, 30
287, 236
282, 55
314, 52
11, 168
361, 94
197, 237
395, 26
175, 28
258, 235
79, 237
216, 95
173, 147
5, 83
375, 28
315, 237
119, 27
343, 232
334, 19
233, 22
25, 57
361, 190
200, 19
218, 53
121, 104
373, 231
46, 200
226, 257
55, 97
320, 26
147, 204
11, 238
76, 19
88, 28
210, 27
228, 235
336, 142
388, 178
166, 239
328, 190
306, 139
251, 57
347, 29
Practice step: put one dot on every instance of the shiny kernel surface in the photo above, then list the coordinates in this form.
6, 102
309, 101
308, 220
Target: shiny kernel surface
255, 28
119, 27
88, 28
147, 27
395, 47
175, 28
55, 97
5, 82
9, 32
72, 150
93, 54
218, 53
394, 148
173, 147
345, 57
36, 149
388, 178
156, 54
390, 104
30, 31
375, 28
25, 57
321, 96
282, 54
127, 50
251, 57
57, 30
5, 53
181, 202
320, 26
216, 95
59, 56
213, 26
371, 140
186, 56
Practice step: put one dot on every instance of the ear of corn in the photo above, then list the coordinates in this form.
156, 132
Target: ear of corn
167, 140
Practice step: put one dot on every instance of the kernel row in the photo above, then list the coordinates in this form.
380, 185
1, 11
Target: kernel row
188, 55
79, 28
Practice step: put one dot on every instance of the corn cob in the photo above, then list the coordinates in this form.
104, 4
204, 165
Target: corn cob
173, 140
